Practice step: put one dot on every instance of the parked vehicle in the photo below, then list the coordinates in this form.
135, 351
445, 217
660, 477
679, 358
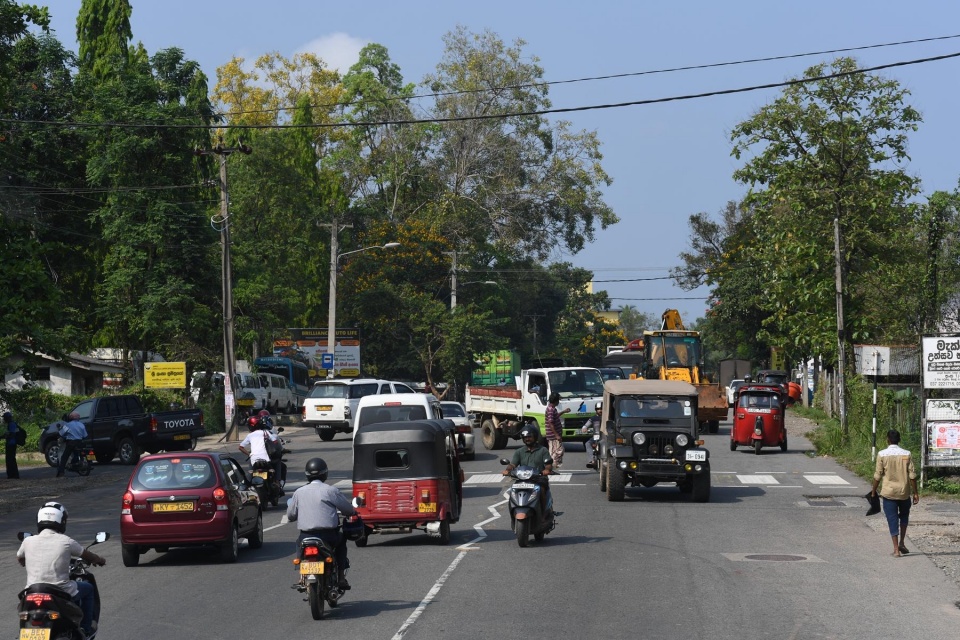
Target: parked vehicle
759, 418
530, 513
457, 413
49, 612
673, 353
649, 434
406, 476
195, 498
503, 411
319, 572
732, 391
119, 426
289, 396
333, 404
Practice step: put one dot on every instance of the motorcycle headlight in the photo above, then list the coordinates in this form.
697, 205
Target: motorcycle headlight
524, 473
639, 438
683, 440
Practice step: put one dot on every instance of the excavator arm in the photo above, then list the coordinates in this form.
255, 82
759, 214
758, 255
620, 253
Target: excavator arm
670, 320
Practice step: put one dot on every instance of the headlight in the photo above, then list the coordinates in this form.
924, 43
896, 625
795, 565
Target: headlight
654, 450
668, 450
639, 438
683, 440
524, 473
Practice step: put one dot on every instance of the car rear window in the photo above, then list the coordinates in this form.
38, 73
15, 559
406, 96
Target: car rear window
452, 410
174, 473
335, 390
366, 389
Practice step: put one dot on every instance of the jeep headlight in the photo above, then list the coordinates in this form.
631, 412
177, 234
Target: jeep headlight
668, 450
639, 438
683, 440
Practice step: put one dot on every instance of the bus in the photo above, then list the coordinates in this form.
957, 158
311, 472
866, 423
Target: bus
293, 371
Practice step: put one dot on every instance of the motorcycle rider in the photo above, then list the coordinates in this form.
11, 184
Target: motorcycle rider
256, 440
315, 507
73, 434
46, 557
533, 454
266, 420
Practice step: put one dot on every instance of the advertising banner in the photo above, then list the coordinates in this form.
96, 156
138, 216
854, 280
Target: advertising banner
165, 375
309, 345
941, 363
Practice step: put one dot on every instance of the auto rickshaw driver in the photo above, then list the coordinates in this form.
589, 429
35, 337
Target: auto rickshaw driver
533, 454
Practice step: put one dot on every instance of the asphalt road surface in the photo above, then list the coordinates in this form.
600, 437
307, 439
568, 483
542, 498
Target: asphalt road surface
782, 550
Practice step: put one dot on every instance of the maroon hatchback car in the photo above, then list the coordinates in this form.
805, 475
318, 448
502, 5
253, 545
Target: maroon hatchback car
189, 498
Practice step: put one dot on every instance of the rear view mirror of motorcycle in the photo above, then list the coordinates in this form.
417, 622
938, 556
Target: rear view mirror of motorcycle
23, 534
504, 461
102, 536
279, 429
358, 501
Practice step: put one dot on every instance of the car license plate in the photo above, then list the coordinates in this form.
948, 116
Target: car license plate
182, 436
325, 407
524, 485
164, 507
425, 507
696, 456
323, 426
34, 634
311, 568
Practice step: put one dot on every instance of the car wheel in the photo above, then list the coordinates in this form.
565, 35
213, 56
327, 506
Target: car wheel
104, 457
255, 539
603, 474
193, 443
327, 435
701, 487
616, 482
130, 554
128, 451
289, 407
52, 453
230, 548
445, 532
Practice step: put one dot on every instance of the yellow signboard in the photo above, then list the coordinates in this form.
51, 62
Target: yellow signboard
165, 375
778, 359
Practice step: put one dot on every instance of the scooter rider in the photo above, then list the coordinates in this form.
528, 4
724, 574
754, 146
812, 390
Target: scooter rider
256, 440
533, 454
46, 557
266, 423
315, 507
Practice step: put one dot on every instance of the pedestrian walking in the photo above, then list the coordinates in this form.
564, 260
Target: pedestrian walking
13, 472
554, 429
895, 468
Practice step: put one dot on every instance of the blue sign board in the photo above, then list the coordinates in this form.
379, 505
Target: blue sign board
326, 361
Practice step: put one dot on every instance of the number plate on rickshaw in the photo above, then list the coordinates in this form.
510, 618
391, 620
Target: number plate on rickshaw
182, 436
163, 507
524, 485
311, 568
34, 634
696, 456
427, 506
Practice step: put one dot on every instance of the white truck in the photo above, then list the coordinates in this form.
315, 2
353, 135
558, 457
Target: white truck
503, 411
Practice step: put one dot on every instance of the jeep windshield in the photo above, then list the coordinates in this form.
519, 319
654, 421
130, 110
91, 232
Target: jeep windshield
576, 383
637, 411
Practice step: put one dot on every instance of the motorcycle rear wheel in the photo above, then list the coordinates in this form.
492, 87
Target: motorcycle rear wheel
316, 601
522, 529
84, 467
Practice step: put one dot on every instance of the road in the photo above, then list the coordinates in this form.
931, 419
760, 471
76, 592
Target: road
782, 550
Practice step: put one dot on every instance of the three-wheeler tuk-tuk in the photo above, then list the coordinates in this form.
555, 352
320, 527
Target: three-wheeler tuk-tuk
758, 417
407, 476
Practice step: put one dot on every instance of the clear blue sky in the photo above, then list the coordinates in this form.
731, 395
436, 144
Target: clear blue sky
668, 160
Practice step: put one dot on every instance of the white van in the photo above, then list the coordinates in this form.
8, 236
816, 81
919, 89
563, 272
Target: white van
397, 407
332, 404
280, 397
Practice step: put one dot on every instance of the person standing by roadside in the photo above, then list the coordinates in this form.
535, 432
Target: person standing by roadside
554, 429
895, 468
73, 433
13, 472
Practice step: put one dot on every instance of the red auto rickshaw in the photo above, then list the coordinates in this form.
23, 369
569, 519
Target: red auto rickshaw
758, 418
408, 476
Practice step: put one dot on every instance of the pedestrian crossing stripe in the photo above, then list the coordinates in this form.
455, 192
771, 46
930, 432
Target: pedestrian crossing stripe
497, 478
757, 479
826, 479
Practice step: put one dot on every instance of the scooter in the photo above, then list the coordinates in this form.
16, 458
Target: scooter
264, 475
80, 460
319, 572
530, 511
591, 446
46, 611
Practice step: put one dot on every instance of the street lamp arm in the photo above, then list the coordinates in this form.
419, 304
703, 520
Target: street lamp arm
389, 245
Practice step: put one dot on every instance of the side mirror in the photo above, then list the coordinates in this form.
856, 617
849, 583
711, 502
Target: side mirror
279, 429
504, 461
358, 501
102, 536
23, 534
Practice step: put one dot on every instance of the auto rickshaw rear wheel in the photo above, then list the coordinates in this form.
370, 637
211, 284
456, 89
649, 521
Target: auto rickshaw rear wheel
444, 531
783, 444
733, 444
757, 445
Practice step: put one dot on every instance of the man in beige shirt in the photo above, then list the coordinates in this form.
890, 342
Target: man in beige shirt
895, 467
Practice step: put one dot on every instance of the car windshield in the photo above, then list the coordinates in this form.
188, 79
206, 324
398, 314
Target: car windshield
583, 383
173, 473
641, 408
329, 390
452, 410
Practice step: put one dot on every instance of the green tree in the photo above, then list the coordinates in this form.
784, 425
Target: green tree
633, 322
104, 35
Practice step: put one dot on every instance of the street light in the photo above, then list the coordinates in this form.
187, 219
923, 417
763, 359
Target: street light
453, 288
334, 267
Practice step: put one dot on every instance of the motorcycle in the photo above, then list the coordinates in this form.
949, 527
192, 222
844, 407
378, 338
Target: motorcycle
591, 446
49, 612
530, 512
268, 486
319, 571
81, 461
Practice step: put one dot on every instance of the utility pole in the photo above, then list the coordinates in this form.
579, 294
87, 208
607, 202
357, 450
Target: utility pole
335, 228
229, 357
841, 338
453, 279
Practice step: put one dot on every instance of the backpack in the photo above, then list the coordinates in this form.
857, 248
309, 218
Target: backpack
21, 436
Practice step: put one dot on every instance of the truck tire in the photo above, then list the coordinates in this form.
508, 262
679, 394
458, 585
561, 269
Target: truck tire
128, 451
615, 483
492, 437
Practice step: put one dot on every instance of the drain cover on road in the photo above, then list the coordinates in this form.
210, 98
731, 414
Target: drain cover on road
770, 557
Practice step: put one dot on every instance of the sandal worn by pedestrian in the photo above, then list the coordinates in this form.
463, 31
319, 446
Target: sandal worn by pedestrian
903, 549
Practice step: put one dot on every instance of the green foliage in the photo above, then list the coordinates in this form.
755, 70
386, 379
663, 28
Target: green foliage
103, 32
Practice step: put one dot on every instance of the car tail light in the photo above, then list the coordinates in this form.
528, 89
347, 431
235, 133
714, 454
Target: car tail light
220, 498
201, 418
127, 504
153, 424
464, 428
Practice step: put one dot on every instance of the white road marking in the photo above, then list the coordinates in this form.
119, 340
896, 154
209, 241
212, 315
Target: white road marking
825, 479
757, 479
497, 478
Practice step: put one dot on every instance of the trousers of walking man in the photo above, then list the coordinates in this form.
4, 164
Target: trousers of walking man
895, 468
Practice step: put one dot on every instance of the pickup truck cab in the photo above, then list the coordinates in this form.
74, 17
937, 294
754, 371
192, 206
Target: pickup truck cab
332, 405
119, 426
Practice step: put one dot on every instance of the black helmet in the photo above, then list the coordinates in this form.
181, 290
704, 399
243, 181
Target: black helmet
316, 469
529, 431
52, 515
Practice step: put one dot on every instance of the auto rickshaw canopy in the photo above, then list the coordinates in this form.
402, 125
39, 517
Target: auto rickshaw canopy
408, 450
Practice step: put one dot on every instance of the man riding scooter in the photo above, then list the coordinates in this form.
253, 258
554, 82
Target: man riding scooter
257, 440
534, 455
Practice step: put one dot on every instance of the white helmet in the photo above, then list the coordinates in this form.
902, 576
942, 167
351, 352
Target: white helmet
52, 515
